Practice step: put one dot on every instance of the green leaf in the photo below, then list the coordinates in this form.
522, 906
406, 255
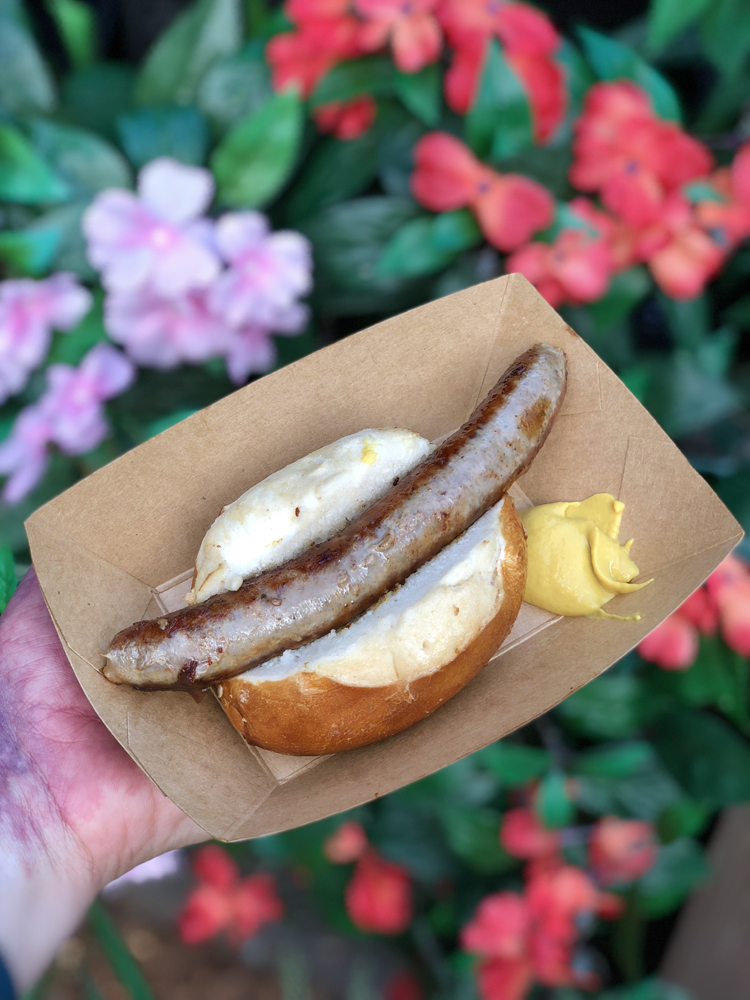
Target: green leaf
683, 818
456, 231
84, 160
725, 31
626, 290
735, 493
683, 397
124, 966
498, 124
70, 348
348, 240
8, 582
551, 802
26, 85
372, 75
70, 254
235, 86
396, 150
421, 93
336, 171
611, 60
679, 868
254, 160
76, 23
614, 761
181, 133
24, 176
709, 759
646, 989
29, 251
612, 707
412, 251
689, 321
95, 96
183, 54
719, 677
667, 18
513, 763
473, 835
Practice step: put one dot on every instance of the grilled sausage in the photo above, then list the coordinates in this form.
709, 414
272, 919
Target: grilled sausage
326, 587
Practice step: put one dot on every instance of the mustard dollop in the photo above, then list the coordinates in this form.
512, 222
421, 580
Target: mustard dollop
575, 561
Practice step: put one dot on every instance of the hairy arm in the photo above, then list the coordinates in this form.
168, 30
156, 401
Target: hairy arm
75, 810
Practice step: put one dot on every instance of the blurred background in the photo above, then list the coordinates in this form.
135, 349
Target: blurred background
412, 149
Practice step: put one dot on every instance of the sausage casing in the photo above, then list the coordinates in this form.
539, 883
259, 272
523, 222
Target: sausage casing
327, 586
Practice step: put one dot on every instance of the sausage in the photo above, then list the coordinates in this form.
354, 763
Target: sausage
326, 587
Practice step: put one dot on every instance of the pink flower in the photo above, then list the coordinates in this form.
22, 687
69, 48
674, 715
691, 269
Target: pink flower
162, 332
673, 645
250, 350
154, 239
379, 896
729, 585
411, 27
267, 273
346, 119
523, 836
348, 843
225, 902
621, 850
499, 928
68, 415
29, 311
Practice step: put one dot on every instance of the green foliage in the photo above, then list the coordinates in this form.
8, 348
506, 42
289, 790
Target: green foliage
513, 763
70, 348
234, 87
613, 707
94, 97
725, 32
26, 85
498, 124
29, 251
611, 60
421, 93
181, 133
552, 803
123, 964
8, 580
679, 868
373, 75
472, 835
24, 175
86, 162
178, 62
429, 244
255, 158
77, 26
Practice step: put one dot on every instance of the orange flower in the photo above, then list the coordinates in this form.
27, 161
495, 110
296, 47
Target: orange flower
414, 34
509, 207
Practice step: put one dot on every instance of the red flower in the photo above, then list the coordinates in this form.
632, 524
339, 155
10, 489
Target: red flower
673, 645
686, 257
347, 844
520, 27
303, 11
576, 268
508, 207
730, 587
628, 154
727, 221
621, 850
346, 119
379, 896
701, 610
302, 58
500, 979
544, 83
414, 33
225, 902
500, 927
404, 986
523, 836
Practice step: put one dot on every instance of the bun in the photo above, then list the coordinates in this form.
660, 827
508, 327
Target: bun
398, 662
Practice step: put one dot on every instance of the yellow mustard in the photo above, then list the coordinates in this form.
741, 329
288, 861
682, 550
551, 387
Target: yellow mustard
575, 561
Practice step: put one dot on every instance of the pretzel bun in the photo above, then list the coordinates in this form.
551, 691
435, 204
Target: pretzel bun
400, 660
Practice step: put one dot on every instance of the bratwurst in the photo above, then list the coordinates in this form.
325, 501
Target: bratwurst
326, 587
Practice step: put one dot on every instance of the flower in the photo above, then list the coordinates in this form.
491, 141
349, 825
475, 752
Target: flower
726, 219
621, 850
154, 240
29, 311
346, 119
575, 268
729, 585
508, 207
410, 26
404, 986
523, 836
302, 58
633, 158
225, 902
379, 896
165, 332
529, 40
684, 257
673, 645
267, 273
348, 843
499, 928
68, 415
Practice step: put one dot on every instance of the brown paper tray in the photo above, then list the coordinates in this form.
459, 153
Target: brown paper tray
118, 546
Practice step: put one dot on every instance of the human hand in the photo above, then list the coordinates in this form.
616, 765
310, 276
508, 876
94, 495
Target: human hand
75, 810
